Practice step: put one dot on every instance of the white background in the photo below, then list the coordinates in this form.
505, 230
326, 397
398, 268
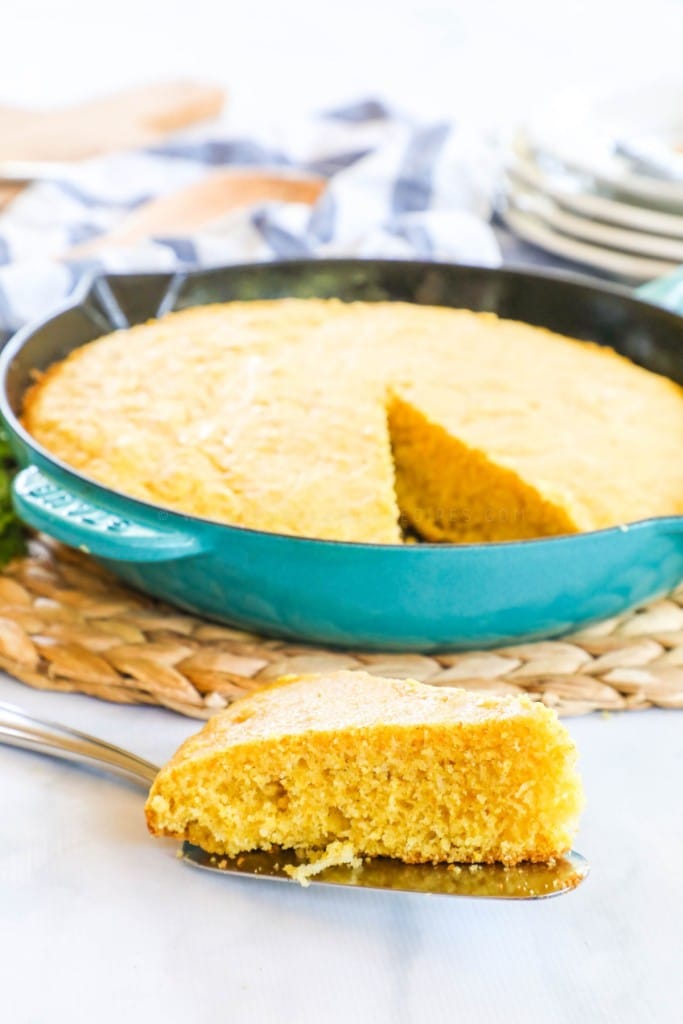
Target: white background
99, 923
485, 56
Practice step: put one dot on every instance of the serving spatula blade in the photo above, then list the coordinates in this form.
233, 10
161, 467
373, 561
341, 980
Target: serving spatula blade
490, 881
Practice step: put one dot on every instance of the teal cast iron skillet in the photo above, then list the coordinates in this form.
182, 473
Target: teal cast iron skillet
413, 597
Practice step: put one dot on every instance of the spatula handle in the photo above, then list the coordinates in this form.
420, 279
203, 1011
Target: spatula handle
19, 729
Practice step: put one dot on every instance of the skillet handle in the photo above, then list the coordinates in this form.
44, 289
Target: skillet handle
46, 505
664, 291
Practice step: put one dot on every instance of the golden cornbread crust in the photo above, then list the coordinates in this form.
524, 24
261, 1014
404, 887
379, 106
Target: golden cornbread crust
384, 767
327, 419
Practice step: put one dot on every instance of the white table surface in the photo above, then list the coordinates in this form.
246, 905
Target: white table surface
99, 922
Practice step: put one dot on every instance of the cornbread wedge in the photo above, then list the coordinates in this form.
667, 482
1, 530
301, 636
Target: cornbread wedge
336, 420
379, 767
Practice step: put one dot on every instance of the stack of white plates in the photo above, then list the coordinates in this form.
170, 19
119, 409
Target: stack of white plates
600, 183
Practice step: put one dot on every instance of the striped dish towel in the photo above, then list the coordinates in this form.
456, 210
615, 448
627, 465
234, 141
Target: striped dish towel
395, 189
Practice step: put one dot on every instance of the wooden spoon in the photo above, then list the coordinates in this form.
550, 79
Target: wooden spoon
138, 117
188, 209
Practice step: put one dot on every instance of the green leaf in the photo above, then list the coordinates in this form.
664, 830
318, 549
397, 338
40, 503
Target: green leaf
12, 533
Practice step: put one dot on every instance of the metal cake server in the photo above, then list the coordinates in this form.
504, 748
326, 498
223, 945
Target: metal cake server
492, 881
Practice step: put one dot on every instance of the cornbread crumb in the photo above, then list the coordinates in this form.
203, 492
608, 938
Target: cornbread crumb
334, 855
352, 765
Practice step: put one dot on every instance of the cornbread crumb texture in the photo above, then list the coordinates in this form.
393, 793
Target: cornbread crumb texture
334, 855
382, 767
328, 419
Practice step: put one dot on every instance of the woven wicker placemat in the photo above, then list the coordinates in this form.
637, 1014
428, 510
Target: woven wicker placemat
66, 624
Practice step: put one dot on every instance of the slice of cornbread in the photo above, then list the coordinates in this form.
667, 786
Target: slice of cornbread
385, 767
448, 490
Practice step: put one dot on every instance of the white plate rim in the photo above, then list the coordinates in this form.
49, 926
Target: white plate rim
588, 204
637, 242
579, 130
619, 265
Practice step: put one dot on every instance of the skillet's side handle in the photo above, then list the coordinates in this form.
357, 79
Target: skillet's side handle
46, 505
664, 291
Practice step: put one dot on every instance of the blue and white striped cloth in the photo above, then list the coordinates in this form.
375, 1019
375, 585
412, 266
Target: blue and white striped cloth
396, 188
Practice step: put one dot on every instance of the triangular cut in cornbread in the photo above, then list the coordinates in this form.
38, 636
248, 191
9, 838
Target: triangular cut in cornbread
379, 767
448, 491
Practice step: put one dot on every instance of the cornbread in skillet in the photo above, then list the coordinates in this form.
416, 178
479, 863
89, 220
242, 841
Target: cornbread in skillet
378, 767
328, 419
